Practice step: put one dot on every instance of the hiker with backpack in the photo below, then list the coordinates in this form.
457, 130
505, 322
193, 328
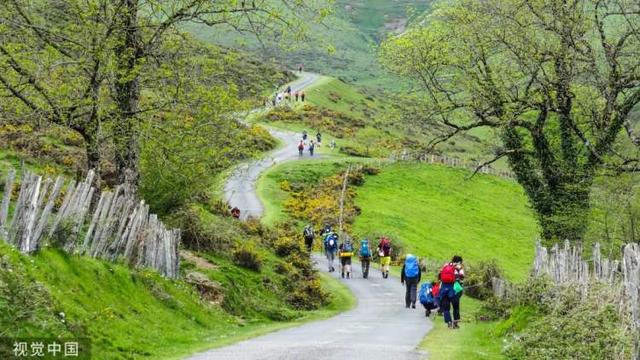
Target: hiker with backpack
365, 257
428, 296
300, 147
308, 235
312, 147
330, 248
345, 252
410, 276
451, 277
319, 137
304, 135
384, 253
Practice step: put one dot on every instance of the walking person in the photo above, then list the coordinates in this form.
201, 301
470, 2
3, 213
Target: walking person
300, 147
235, 212
308, 235
384, 253
297, 95
304, 135
302, 95
330, 248
345, 252
451, 277
410, 277
319, 137
312, 147
365, 257
288, 90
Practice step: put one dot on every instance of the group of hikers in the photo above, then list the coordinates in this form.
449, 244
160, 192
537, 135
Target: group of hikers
311, 145
438, 295
288, 95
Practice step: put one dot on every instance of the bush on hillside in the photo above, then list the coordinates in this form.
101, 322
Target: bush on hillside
478, 279
247, 256
215, 234
308, 296
286, 246
575, 328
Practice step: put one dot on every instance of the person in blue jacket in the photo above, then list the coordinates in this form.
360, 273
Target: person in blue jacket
410, 277
331, 248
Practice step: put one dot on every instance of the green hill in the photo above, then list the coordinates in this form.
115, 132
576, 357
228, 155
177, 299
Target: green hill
436, 212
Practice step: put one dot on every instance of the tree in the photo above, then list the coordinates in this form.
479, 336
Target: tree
557, 79
90, 65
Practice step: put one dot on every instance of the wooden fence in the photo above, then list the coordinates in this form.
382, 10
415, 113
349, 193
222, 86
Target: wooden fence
565, 265
120, 225
451, 162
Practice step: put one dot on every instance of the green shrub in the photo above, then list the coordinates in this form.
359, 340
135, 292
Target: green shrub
202, 231
286, 246
308, 296
247, 256
478, 279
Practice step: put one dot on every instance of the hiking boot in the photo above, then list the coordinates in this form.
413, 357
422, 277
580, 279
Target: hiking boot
343, 275
413, 306
450, 325
428, 313
455, 324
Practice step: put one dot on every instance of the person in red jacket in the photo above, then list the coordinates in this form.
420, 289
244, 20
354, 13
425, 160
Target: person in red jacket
451, 277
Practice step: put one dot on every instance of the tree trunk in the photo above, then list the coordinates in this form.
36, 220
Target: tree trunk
127, 91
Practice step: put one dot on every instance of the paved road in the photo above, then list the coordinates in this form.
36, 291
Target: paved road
240, 189
380, 327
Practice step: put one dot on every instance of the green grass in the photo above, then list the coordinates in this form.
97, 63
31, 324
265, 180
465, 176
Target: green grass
126, 314
474, 340
304, 171
436, 212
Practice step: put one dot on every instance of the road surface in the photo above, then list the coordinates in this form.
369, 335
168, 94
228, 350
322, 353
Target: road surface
379, 328
240, 189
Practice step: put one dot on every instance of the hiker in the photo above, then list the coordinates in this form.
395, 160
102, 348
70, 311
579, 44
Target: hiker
319, 137
308, 235
304, 135
365, 257
300, 68
287, 97
427, 295
300, 147
297, 95
302, 95
289, 89
451, 277
325, 230
330, 248
384, 253
345, 252
410, 276
312, 147
235, 212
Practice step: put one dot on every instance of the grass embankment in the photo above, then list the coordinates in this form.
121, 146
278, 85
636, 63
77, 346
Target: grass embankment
127, 313
436, 212
474, 339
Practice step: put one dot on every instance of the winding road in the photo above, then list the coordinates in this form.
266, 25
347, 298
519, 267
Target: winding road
379, 327
240, 189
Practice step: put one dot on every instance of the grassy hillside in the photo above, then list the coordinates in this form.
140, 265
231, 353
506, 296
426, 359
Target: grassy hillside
344, 46
435, 212
131, 314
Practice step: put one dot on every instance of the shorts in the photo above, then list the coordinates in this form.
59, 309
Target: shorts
345, 261
385, 260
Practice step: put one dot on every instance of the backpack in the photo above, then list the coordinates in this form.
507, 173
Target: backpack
426, 294
448, 274
308, 232
385, 247
411, 267
364, 248
300, 146
331, 241
347, 247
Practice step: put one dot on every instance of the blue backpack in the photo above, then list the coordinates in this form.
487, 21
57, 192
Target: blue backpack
347, 247
426, 294
331, 241
364, 248
411, 267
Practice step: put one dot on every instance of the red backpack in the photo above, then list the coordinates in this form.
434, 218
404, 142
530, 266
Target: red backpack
448, 274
